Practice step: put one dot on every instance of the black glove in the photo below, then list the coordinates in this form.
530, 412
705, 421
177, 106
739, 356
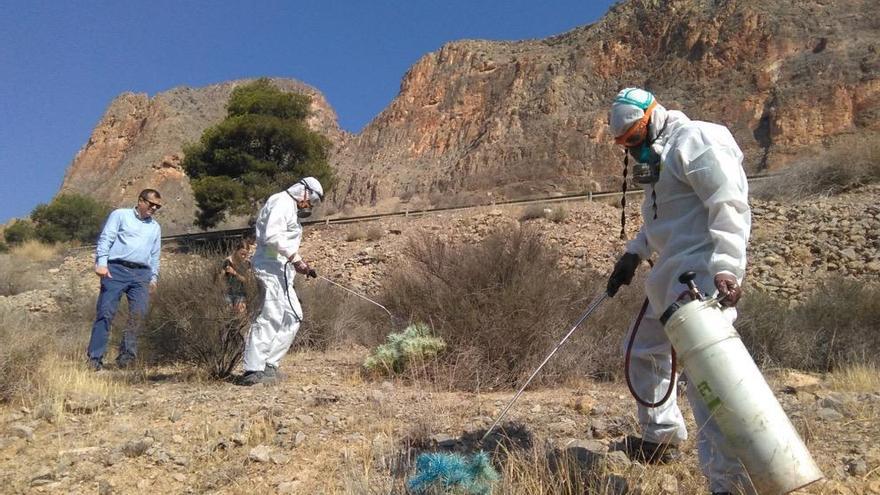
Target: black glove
303, 268
623, 272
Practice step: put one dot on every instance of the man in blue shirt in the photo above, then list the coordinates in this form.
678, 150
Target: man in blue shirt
127, 261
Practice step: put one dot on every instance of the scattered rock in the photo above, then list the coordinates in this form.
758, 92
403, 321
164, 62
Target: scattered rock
22, 431
289, 486
299, 438
105, 488
260, 453
137, 448
828, 414
444, 441
43, 477
668, 484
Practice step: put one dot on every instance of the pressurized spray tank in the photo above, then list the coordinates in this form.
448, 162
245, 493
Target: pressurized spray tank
739, 399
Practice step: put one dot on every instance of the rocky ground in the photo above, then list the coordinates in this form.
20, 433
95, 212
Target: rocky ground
327, 429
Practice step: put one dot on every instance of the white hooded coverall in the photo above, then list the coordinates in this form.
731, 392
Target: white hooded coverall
278, 234
702, 224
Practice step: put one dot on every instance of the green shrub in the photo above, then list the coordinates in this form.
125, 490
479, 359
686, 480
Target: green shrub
262, 147
69, 217
19, 232
414, 345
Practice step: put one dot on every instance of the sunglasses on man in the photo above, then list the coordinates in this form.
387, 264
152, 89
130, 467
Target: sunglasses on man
152, 205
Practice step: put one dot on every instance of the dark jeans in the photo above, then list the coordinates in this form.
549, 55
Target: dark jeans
135, 284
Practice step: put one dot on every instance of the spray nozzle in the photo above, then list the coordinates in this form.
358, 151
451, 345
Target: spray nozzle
687, 278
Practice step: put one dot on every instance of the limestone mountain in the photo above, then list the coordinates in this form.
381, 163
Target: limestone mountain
529, 117
139, 143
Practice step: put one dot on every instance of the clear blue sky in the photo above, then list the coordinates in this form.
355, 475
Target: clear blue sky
61, 63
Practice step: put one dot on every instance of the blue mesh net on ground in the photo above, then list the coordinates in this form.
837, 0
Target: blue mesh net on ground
454, 473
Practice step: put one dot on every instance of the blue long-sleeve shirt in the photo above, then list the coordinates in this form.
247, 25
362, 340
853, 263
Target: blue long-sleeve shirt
127, 237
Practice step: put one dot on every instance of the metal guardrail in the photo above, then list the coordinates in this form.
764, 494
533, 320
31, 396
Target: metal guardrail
220, 235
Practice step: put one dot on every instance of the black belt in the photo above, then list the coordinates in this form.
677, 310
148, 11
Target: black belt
127, 264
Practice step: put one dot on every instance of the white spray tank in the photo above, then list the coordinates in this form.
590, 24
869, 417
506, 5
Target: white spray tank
739, 399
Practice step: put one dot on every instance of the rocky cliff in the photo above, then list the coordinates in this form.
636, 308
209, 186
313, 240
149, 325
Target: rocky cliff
139, 141
529, 117
478, 120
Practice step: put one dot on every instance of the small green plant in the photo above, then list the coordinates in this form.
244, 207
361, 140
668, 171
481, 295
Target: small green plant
19, 232
414, 344
69, 217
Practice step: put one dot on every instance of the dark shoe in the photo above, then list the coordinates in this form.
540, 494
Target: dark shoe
649, 452
95, 364
250, 378
273, 373
125, 361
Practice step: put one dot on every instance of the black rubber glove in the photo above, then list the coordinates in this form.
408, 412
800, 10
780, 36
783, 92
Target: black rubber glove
303, 268
728, 288
623, 272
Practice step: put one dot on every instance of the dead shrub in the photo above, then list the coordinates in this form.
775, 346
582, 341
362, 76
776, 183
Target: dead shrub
333, 317
532, 212
22, 351
355, 233
374, 233
15, 276
558, 214
500, 305
33, 250
836, 326
191, 322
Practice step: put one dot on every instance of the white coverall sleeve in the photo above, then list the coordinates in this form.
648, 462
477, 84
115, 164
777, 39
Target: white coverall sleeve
716, 175
278, 233
639, 245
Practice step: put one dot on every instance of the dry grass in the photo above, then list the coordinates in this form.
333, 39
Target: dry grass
21, 354
374, 233
355, 233
34, 250
191, 322
64, 385
835, 327
856, 378
334, 318
846, 164
501, 305
556, 213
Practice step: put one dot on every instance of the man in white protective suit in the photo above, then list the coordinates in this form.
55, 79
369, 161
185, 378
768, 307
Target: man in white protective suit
696, 218
278, 236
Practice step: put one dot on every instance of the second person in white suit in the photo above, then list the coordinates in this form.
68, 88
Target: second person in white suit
275, 263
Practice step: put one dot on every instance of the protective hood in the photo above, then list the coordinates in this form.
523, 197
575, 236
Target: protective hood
310, 185
629, 107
